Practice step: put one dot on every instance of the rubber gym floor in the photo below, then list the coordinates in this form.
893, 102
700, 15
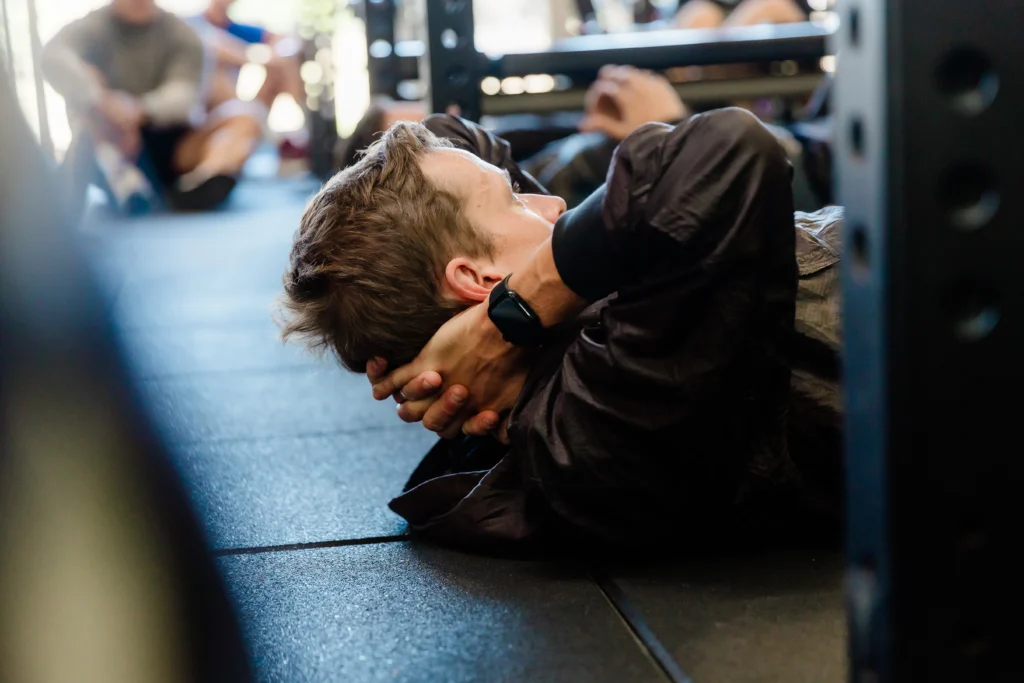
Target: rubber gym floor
290, 464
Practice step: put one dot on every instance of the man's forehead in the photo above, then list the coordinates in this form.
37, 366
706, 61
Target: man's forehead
458, 169
458, 159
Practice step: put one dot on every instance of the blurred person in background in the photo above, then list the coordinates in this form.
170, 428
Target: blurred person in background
715, 13
622, 99
132, 77
229, 42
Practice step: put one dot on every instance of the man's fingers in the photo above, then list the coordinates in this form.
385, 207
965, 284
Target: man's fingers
442, 415
413, 411
390, 384
455, 428
375, 369
594, 122
502, 433
602, 124
601, 98
424, 386
481, 424
614, 72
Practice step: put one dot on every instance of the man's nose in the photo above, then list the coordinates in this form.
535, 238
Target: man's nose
548, 207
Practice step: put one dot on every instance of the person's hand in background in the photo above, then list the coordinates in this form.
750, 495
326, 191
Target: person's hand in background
121, 116
624, 98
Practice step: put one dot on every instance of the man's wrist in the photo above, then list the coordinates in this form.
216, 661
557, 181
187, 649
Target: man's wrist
540, 285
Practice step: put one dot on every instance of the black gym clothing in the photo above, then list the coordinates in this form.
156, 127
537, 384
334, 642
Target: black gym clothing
665, 405
159, 145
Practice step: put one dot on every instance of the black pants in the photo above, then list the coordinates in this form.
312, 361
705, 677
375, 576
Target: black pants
158, 149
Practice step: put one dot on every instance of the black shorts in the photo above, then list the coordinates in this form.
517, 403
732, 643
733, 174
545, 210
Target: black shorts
158, 148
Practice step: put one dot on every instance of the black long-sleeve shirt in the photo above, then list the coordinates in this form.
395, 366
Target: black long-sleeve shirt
669, 397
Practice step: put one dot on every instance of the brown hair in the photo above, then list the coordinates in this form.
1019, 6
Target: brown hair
371, 250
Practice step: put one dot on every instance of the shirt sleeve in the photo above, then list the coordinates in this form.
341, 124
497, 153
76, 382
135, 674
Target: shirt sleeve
681, 380
174, 100
246, 32
66, 55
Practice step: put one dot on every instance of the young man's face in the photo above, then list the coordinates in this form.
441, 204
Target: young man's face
518, 223
135, 11
220, 6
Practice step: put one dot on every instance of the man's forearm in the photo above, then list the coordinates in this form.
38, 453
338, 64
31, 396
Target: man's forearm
540, 284
171, 103
72, 77
229, 51
583, 252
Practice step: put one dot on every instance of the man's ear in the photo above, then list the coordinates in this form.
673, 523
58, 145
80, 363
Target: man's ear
470, 281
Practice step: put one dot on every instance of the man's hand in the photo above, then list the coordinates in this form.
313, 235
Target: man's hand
483, 375
120, 110
419, 402
624, 98
121, 116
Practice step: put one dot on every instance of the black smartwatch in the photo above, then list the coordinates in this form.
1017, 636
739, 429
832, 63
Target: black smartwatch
514, 318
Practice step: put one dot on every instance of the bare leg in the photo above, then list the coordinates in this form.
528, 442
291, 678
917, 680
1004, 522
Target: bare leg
289, 80
699, 14
282, 78
751, 12
221, 89
748, 13
219, 149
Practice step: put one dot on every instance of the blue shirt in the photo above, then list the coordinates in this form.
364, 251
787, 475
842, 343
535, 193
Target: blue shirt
244, 32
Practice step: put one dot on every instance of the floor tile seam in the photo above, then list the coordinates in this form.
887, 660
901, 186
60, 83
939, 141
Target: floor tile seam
174, 443
280, 370
642, 634
311, 545
130, 330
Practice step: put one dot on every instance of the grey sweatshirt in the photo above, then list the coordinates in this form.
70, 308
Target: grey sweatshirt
161, 63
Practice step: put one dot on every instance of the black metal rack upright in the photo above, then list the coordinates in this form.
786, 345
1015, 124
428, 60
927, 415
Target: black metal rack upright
380, 47
451, 59
929, 142
321, 122
583, 56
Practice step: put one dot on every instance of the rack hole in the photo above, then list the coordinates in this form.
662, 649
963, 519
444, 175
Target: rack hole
969, 196
968, 80
855, 26
857, 136
450, 39
974, 309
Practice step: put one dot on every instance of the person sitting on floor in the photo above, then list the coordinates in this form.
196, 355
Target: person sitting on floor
229, 42
659, 358
132, 76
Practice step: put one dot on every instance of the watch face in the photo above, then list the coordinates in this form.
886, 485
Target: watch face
513, 317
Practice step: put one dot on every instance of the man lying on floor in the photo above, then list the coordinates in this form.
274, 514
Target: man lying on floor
671, 353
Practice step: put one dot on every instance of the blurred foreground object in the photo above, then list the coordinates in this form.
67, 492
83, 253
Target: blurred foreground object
104, 573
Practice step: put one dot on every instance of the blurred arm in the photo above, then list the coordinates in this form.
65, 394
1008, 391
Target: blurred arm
227, 49
64, 63
173, 100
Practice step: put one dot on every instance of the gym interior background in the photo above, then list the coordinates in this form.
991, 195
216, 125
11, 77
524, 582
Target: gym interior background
185, 498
